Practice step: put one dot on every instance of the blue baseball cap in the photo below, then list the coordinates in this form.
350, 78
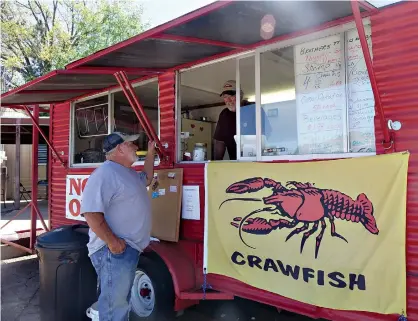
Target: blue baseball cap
114, 139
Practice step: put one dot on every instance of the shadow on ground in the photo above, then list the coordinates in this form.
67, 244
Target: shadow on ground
20, 289
20, 299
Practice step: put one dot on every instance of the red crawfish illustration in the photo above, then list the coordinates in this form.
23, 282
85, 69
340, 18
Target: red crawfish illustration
304, 203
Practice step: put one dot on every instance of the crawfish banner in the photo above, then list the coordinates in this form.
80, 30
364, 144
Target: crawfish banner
326, 233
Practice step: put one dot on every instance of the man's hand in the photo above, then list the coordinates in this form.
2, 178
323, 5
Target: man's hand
117, 246
151, 147
97, 223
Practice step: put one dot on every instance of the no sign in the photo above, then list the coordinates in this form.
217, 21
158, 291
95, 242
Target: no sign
75, 185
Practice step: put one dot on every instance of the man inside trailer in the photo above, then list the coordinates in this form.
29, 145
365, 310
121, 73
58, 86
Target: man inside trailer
226, 127
118, 211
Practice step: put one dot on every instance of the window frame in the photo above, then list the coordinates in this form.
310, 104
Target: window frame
338, 30
111, 98
178, 118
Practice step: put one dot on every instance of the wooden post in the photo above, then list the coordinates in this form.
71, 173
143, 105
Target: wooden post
34, 187
17, 167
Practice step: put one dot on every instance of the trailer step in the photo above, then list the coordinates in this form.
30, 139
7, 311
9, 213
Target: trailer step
210, 295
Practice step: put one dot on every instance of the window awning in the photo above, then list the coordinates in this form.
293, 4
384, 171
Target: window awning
221, 28
61, 85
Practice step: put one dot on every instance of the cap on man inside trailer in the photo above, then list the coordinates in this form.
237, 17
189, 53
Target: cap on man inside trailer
226, 126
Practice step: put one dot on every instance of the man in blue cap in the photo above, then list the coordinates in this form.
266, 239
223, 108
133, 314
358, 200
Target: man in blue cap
117, 208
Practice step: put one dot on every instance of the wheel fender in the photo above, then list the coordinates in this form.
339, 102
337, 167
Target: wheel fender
180, 266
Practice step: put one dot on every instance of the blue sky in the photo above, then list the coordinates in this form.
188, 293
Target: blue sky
157, 12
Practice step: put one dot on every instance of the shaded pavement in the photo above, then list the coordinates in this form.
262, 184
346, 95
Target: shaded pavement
20, 299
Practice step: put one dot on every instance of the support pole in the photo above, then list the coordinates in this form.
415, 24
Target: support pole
36, 124
124, 83
35, 142
17, 167
369, 64
17, 214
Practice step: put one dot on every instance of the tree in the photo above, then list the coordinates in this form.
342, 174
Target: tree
38, 37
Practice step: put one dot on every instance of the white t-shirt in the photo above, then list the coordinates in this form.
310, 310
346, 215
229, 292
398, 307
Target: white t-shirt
121, 194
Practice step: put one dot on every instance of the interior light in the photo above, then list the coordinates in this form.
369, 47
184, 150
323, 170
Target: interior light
276, 97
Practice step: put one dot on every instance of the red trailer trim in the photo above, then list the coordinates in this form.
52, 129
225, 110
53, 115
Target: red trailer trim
35, 143
198, 40
29, 84
372, 77
52, 91
112, 70
367, 6
49, 173
148, 34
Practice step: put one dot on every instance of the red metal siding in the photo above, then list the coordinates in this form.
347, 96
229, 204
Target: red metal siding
194, 174
395, 47
166, 100
59, 135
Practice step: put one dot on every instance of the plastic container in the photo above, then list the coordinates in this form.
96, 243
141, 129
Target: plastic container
68, 281
199, 152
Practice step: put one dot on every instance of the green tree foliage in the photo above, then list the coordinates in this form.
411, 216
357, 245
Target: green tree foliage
44, 35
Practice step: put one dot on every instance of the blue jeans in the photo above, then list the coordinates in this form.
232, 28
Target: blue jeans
116, 273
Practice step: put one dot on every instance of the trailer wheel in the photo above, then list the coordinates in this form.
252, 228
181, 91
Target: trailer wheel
152, 293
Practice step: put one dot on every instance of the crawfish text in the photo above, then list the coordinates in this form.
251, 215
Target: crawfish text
335, 279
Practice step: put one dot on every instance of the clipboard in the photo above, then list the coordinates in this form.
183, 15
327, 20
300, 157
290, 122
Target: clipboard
165, 192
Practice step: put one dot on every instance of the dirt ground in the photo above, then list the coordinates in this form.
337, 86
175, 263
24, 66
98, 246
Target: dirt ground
20, 299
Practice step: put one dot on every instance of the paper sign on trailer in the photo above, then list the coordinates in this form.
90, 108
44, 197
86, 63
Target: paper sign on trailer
75, 185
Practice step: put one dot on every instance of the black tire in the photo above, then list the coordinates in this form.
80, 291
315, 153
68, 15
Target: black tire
162, 284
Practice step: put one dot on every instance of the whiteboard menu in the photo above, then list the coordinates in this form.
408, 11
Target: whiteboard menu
321, 96
361, 110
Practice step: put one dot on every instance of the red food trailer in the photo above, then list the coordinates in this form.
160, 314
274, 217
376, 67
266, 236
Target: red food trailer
165, 84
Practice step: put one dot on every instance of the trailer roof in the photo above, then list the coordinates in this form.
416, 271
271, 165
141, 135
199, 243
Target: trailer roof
220, 28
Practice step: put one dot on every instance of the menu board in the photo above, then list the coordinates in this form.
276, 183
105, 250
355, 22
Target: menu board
321, 95
361, 110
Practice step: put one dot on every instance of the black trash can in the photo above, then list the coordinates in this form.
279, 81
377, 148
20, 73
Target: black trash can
68, 281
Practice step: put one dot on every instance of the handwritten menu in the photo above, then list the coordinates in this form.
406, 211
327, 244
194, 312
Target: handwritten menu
321, 95
361, 110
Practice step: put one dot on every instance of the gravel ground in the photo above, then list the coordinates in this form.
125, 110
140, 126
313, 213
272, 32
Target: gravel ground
20, 299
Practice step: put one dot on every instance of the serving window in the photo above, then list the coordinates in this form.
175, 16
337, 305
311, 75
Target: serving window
308, 98
323, 103
95, 117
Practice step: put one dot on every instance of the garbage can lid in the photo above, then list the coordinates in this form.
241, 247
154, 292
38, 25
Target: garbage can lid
64, 238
